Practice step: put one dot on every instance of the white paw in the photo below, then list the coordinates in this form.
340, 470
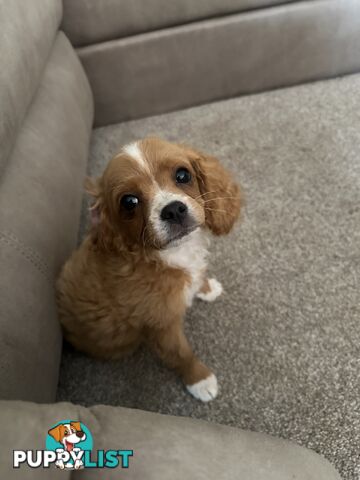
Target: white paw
205, 390
216, 290
78, 465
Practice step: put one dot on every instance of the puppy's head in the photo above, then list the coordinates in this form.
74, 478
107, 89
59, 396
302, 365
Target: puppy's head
68, 434
154, 193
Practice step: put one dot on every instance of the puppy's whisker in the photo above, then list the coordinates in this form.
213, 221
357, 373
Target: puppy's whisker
206, 193
220, 198
215, 209
143, 236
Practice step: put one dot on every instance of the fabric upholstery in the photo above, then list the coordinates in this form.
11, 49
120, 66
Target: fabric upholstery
26, 36
30, 337
164, 447
204, 61
284, 337
40, 199
89, 21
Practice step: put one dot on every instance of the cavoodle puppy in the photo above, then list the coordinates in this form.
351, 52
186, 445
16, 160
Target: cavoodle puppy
144, 259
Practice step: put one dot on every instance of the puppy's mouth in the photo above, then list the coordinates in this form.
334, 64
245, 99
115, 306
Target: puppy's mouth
69, 446
176, 236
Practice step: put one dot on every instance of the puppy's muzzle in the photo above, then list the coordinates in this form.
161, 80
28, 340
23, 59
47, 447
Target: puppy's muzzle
174, 213
178, 220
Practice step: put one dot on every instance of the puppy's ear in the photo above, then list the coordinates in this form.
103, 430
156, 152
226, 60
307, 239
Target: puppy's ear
219, 191
76, 425
101, 232
57, 432
92, 187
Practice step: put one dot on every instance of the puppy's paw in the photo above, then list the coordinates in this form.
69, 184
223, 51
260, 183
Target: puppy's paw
214, 290
78, 465
205, 390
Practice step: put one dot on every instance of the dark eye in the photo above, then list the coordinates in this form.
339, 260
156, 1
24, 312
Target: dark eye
182, 175
129, 202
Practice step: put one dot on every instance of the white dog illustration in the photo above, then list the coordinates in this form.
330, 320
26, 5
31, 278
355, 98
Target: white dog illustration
68, 434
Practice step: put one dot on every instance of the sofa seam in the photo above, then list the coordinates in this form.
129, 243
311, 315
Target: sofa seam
201, 18
178, 26
28, 253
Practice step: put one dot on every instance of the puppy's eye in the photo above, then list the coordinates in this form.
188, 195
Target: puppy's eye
183, 175
129, 202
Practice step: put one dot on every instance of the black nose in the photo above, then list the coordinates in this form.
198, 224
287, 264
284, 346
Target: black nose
80, 434
174, 212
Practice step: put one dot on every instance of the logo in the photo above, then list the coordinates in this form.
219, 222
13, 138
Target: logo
69, 446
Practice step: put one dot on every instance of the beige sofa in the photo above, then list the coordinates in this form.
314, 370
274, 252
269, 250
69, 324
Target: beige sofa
131, 59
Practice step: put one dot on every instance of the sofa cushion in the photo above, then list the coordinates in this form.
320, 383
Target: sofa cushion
162, 71
40, 198
90, 21
163, 447
30, 337
27, 32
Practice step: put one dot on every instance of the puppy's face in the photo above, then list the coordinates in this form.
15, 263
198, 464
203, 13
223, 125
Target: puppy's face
154, 193
68, 434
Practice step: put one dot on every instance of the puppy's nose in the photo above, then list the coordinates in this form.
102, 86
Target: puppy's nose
80, 434
174, 212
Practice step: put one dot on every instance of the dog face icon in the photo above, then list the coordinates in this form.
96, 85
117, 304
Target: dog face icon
68, 434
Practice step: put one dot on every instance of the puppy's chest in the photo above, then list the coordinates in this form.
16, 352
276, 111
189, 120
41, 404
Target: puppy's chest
191, 257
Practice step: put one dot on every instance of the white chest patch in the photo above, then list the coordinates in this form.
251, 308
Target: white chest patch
190, 255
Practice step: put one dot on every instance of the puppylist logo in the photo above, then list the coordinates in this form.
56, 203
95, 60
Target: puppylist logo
69, 446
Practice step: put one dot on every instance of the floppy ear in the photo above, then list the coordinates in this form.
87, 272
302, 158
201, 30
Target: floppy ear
220, 193
76, 425
92, 187
102, 231
57, 432
99, 223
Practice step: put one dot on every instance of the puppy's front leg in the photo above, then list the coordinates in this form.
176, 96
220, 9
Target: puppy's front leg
210, 290
172, 347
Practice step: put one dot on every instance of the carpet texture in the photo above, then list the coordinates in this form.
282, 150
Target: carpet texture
284, 339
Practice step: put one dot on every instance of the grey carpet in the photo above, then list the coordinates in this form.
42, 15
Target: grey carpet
284, 340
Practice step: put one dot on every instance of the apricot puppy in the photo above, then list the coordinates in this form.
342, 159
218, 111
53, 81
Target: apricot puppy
144, 259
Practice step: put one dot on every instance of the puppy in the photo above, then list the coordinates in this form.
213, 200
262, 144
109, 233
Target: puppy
68, 435
145, 257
